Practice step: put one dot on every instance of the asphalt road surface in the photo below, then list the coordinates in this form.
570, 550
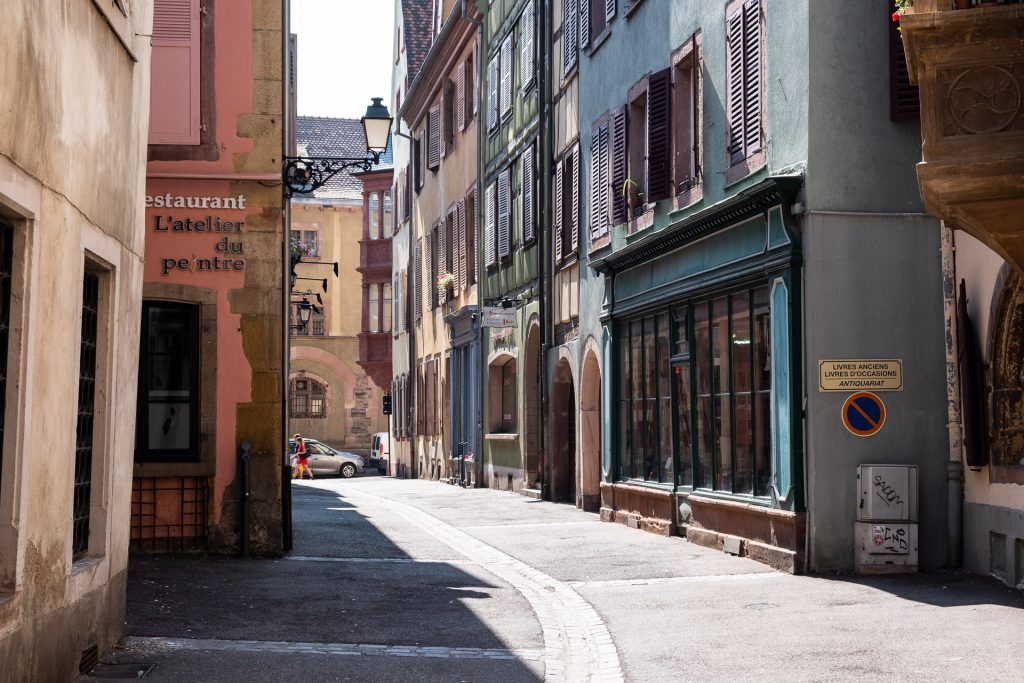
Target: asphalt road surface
394, 580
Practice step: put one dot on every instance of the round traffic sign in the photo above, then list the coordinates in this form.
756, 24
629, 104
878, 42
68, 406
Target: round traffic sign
863, 414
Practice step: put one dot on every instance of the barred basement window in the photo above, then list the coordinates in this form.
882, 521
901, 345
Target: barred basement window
86, 412
308, 398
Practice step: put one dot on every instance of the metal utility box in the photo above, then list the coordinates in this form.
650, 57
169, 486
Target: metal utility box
885, 534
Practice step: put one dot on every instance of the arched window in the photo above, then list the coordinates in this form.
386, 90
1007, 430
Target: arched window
1007, 450
308, 398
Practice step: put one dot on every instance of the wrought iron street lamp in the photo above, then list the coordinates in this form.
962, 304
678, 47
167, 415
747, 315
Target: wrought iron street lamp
306, 174
305, 309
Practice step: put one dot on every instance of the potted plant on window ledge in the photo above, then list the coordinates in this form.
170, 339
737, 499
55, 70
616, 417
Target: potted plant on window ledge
635, 199
446, 287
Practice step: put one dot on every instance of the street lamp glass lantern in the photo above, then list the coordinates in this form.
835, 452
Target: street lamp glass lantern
377, 126
305, 311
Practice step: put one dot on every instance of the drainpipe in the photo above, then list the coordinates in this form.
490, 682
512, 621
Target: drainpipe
476, 443
954, 465
544, 269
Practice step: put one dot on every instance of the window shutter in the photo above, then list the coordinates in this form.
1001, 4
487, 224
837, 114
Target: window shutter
504, 222
506, 76
421, 162
434, 138
463, 257
528, 223
619, 149
570, 34
609, 9
460, 97
659, 135
584, 29
443, 246
605, 189
904, 104
595, 183
734, 54
559, 217
469, 77
433, 256
418, 281
471, 225
526, 50
174, 117
489, 224
751, 76
492, 93
442, 137
449, 116
574, 210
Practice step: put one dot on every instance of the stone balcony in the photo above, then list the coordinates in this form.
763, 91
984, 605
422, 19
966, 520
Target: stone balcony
969, 65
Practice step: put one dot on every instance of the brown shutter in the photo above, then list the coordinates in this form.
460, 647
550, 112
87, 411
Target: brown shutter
430, 267
506, 76
504, 218
174, 117
471, 82
528, 222
460, 97
489, 240
421, 161
659, 135
619, 149
595, 183
418, 281
434, 138
904, 104
443, 119
526, 38
734, 86
443, 245
751, 76
574, 210
471, 225
449, 118
584, 29
559, 217
463, 246
492, 93
570, 34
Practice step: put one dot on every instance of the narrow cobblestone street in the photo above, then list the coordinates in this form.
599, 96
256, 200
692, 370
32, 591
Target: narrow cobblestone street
395, 580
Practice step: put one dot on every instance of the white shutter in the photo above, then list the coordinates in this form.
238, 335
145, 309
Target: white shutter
504, 218
527, 31
489, 225
492, 93
528, 220
506, 76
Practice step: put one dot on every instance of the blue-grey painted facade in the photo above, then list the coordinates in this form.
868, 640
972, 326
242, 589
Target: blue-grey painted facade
831, 224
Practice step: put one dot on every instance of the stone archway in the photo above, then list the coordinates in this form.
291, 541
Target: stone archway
1007, 422
589, 497
563, 435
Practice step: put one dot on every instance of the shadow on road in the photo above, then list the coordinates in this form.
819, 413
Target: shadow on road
940, 588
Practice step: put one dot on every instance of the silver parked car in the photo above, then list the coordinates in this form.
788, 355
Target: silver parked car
325, 460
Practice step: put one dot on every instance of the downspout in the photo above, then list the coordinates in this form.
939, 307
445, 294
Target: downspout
476, 443
544, 243
954, 464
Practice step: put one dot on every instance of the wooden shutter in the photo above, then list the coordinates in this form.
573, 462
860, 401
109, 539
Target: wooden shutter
174, 114
609, 9
489, 196
492, 93
460, 97
469, 76
445, 121
574, 210
904, 104
463, 257
659, 135
734, 71
443, 244
471, 225
506, 76
584, 28
417, 284
528, 221
559, 217
751, 76
570, 34
619, 152
432, 259
504, 217
595, 183
421, 162
526, 41
434, 138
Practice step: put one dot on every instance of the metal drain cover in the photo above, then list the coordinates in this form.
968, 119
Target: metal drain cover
121, 670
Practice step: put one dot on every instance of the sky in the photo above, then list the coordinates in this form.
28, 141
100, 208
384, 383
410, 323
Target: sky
345, 52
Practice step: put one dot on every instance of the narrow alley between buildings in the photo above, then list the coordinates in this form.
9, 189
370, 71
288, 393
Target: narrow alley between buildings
402, 580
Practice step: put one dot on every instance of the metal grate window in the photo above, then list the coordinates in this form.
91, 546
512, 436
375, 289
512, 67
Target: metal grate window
308, 398
86, 411
169, 514
6, 264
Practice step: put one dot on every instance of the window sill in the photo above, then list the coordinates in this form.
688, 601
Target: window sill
85, 564
570, 74
600, 243
500, 437
633, 4
642, 222
685, 200
173, 469
599, 40
742, 169
569, 261
747, 499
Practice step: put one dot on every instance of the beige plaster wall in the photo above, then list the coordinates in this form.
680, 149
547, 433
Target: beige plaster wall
75, 91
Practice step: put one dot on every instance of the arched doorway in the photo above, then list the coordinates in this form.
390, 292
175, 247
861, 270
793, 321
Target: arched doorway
532, 465
590, 434
563, 435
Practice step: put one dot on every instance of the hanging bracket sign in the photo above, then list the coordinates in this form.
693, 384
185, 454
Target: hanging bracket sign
860, 375
496, 316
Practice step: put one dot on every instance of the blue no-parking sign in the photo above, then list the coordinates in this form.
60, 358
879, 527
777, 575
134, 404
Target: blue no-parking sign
863, 414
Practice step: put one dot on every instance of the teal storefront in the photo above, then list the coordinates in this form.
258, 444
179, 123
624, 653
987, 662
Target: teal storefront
701, 338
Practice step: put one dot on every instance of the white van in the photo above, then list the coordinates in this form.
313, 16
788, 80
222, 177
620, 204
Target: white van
380, 451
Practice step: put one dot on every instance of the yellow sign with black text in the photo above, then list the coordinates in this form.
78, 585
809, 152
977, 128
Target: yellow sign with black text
860, 375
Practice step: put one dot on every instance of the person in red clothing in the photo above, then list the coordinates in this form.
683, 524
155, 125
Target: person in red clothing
301, 459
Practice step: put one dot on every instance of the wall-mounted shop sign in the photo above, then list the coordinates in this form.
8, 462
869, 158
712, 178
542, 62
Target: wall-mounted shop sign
860, 375
496, 316
226, 253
